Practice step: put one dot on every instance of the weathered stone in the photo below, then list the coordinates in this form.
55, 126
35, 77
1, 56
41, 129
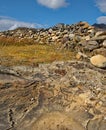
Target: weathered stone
66, 35
104, 43
83, 24
86, 38
64, 40
77, 39
100, 33
50, 30
99, 38
98, 61
54, 38
59, 26
71, 36
89, 45
80, 55
101, 51
65, 32
52, 96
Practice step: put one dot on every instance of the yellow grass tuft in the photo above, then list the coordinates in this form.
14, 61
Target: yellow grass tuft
25, 54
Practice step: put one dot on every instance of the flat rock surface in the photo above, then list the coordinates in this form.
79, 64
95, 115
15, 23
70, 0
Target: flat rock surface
58, 96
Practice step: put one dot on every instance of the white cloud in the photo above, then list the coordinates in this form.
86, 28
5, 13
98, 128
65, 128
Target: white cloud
7, 23
101, 4
54, 4
101, 19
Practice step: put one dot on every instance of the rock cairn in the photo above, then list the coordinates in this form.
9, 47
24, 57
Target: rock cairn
79, 37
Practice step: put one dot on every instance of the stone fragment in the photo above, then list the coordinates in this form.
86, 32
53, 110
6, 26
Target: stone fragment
71, 36
66, 35
86, 38
104, 43
80, 55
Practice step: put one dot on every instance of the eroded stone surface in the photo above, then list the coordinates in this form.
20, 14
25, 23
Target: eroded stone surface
56, 121
70, 95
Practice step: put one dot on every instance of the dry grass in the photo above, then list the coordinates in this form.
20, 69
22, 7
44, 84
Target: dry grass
25, 54
7, 41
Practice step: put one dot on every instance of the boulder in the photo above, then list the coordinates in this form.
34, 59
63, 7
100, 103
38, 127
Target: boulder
98, 61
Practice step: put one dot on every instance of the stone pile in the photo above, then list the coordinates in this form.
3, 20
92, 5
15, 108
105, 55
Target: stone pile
60, 33
78, 37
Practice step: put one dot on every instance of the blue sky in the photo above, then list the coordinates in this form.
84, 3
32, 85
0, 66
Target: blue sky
45, 13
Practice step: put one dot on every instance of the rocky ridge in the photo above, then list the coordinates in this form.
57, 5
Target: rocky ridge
62, 95
78, 37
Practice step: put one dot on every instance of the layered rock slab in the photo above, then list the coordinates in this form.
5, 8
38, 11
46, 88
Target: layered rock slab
70, 95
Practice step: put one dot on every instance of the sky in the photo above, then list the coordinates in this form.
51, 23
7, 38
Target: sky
46, 13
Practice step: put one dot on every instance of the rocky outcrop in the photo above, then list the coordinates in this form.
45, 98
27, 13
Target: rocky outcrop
62, 95
58, 96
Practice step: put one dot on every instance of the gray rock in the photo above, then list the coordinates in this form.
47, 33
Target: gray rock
89, 45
